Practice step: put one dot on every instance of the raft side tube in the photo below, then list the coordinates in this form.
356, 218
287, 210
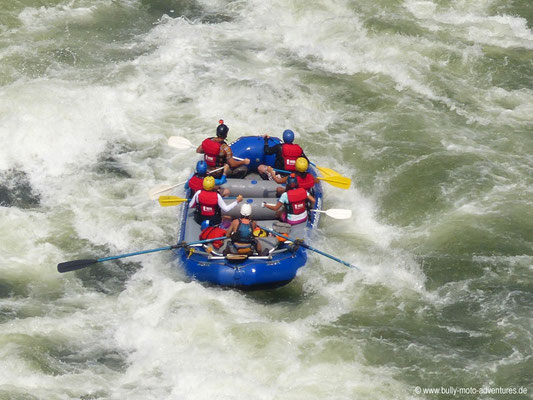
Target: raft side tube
258, 212
252, 147
251, 187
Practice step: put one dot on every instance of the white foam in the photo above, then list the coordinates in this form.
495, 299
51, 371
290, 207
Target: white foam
41, 18
193, 342
52, 126
474, 23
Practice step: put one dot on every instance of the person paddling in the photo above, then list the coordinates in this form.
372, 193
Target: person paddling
286, 154
294, 201
210, 204
217, 153
241, 232
305, 179
196, 181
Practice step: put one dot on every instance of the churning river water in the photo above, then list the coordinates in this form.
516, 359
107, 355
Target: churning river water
426, 105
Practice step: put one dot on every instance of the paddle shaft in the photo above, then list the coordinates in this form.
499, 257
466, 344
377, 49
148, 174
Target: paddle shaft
78, 264
337, 213
304, 245
153, 193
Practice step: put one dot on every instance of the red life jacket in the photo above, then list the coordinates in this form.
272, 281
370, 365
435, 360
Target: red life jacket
211, 150
196, 183
213, 232
208, 203
297, 201
290, 153
305, 183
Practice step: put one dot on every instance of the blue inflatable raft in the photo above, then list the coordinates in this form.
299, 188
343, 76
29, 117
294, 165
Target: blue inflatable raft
284, 259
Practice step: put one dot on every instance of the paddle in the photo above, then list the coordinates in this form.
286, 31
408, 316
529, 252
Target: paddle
337, 180
169, 201
341, 182
325, 171
337, 213
306, 246
333, 177
79, 264
180, 142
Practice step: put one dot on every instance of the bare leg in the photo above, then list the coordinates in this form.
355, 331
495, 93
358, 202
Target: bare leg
238, 173
262, 171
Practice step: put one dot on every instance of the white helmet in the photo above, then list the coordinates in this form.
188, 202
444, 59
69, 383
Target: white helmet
246, 210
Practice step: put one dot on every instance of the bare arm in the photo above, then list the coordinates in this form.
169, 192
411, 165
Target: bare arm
276, 178
233, 163
275, 207
232, 228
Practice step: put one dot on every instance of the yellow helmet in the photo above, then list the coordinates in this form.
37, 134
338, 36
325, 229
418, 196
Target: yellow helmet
301, 164
209, 183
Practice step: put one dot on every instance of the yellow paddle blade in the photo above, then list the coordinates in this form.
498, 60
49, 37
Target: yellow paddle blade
327, 171
337, 181
168, 201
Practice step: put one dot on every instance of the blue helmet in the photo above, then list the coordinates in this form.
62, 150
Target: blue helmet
292, 182
205, 224
288, 136
201, 167
222, 129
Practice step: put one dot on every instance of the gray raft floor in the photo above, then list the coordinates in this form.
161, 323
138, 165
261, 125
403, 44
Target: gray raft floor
255, 190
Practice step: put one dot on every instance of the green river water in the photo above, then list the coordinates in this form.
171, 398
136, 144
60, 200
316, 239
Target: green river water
426, 105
